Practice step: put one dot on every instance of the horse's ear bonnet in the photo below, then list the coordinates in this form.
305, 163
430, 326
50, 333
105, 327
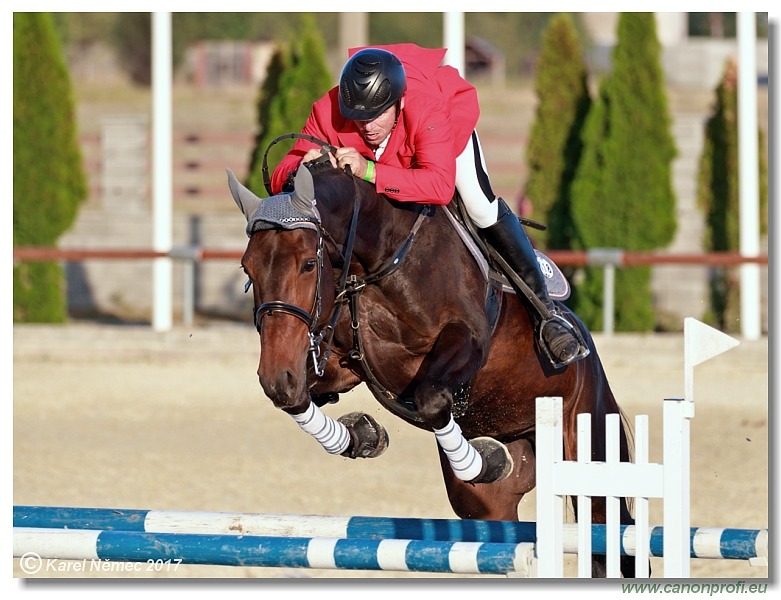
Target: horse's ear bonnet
295, 210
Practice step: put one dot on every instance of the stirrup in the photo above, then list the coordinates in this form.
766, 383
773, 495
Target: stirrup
583, 350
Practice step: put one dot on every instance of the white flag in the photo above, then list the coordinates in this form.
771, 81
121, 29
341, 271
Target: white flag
703, 342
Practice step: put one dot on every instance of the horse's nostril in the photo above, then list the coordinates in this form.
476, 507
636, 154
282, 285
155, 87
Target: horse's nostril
282, 388
290, 379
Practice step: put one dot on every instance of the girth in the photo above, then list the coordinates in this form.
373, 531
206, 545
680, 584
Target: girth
405, 406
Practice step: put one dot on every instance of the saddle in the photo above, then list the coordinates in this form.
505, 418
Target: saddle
555, 281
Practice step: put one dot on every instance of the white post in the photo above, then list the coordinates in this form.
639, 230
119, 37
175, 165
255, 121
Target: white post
677, 492
550, 507
454, 40
642, 529
162, 310
353, 30
613, 502
585, 550
748, 174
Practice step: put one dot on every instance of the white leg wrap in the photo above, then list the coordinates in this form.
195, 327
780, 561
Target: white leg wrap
464, 459
332, 435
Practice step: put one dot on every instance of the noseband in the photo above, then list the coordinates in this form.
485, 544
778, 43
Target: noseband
269, 308
310, 318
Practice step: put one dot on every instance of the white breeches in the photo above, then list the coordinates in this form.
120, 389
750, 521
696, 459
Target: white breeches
474, 186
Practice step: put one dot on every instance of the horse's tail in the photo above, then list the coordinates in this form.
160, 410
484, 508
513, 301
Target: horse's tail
605, 403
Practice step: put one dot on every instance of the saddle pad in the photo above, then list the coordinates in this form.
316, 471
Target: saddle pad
557, 284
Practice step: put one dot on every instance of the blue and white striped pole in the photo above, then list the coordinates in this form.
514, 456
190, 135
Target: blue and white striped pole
708, 543
264, 551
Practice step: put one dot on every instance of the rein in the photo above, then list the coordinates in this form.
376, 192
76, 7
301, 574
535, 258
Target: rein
327, 334
355, 285
325, 149
349, 287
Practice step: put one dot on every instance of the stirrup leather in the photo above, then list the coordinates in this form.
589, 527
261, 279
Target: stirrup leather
583, 350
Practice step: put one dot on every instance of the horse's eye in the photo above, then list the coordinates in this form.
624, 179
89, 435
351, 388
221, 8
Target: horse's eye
309, 266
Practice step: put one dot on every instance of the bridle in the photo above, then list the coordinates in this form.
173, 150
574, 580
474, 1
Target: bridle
348, 288
310, 318
317, 334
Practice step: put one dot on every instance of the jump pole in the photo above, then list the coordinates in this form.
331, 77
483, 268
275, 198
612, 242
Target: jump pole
266, 551
706, 543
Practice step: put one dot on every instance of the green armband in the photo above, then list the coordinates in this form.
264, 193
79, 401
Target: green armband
369, 171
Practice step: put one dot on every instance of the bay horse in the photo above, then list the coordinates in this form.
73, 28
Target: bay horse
351, 287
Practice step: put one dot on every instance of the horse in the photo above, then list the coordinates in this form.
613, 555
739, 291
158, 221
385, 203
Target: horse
351, 287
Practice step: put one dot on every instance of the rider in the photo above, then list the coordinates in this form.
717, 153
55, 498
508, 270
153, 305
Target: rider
407, 124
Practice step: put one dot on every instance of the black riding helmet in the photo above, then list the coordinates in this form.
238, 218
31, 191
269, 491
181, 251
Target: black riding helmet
371, 81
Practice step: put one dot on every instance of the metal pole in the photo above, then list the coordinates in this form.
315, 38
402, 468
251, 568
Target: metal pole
188, 256
188, 283
748, 175
609, 259
353, 31
162, 158
454, 40
609, 295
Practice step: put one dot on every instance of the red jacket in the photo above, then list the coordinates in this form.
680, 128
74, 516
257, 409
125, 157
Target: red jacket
419, 164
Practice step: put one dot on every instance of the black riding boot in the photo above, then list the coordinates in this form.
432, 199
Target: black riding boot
558, 336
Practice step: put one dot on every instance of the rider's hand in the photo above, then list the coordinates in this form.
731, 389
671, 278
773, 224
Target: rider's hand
314, 154
350, 156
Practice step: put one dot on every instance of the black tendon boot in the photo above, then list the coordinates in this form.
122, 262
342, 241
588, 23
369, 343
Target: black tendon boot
559, 338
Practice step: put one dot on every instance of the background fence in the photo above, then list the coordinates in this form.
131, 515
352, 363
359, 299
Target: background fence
192, 257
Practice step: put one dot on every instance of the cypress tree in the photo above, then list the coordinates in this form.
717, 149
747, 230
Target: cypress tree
49, 179
555, 144
269, 90
718, 195
299, 77
622, 196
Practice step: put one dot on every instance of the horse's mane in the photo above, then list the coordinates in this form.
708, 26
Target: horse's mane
317, 167
337, 189
344, 186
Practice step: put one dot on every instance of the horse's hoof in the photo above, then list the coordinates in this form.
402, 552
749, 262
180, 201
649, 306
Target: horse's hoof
497, 460
368, 439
